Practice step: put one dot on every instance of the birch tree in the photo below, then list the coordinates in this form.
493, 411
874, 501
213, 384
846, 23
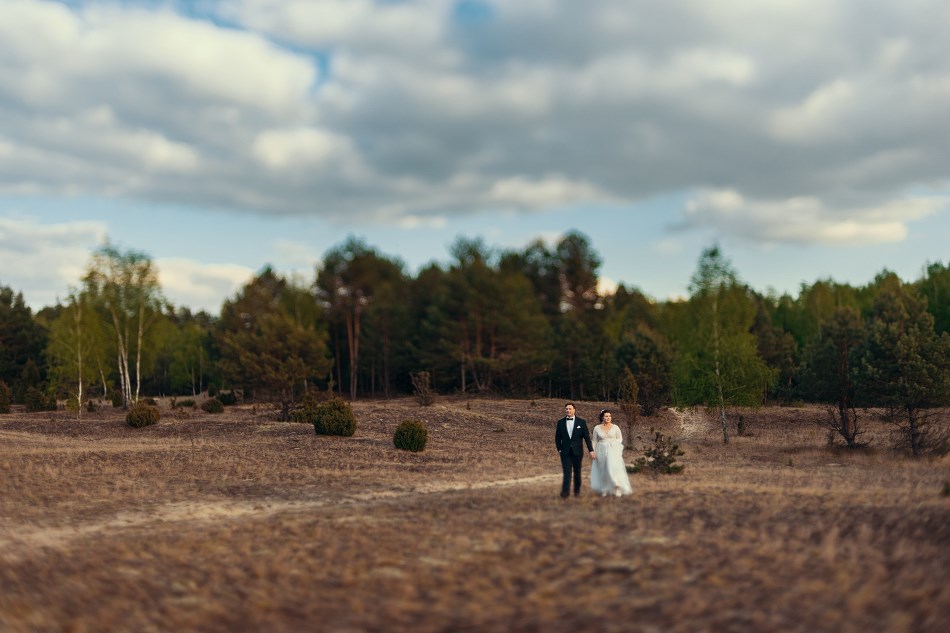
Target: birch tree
75, 347
717, 363
129, 298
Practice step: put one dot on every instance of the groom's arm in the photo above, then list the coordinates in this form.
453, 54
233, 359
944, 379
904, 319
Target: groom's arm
586, 436
557, 436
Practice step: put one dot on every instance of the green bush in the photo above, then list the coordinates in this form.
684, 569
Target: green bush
660, 458
181, 404
212, 390
411, 435
333, 417
142, 414
91, 406
227, 398
117, 400
212, 405
36, 400
6, 396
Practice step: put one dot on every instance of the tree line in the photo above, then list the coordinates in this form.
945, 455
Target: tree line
521, 323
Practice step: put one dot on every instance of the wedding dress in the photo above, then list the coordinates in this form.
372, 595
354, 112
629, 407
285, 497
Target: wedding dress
608, 475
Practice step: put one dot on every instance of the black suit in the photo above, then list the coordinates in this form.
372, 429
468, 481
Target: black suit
571, 449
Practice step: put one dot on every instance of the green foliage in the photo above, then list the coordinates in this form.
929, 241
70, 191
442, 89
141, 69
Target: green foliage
647, 355
212, 390
181, 404
903, 364
270, 340
212, 405
659, 457
125, 290
718, 362
22, 340
142, 414
6, 397
91, 406
36, 400
332, 417
116, 398
411, 435
227, 398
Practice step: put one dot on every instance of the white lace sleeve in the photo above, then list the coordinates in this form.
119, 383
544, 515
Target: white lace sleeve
595, 436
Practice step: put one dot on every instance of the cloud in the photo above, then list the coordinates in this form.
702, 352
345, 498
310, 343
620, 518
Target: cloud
408, 113
44, 261
806, 219
200, 286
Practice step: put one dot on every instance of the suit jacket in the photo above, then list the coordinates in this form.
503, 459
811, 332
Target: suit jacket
573, 444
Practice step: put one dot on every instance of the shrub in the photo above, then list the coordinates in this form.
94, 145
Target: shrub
6, 396
212, 405
142, 414
422, 388
36, 400
212, 390
91, 406
227, 398
117, 399
180, 404
333, 417
411, 435
660, 458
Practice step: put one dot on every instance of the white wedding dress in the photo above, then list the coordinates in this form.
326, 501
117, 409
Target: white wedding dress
608, 475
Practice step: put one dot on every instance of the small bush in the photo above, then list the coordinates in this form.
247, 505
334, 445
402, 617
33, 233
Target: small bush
333, 417
36, 400
91, 406
181, 404
117, 399
150, 401
227, 398
212, 390
6, 397
422, 388
212, 405
142, 414
411, 435
660, 458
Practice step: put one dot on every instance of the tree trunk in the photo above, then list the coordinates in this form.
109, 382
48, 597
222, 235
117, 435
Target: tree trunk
716, 344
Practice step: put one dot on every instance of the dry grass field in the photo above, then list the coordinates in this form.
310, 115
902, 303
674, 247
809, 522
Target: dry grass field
238, 522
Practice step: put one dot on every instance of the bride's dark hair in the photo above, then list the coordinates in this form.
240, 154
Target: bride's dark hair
603, 411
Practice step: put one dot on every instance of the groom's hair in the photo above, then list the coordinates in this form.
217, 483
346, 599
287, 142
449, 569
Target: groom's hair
569, 404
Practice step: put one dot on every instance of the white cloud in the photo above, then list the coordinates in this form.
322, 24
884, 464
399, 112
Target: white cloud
44, 261
410, 112
807, 219
200, 286
550, 191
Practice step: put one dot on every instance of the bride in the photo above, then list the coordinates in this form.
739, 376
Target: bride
608, 475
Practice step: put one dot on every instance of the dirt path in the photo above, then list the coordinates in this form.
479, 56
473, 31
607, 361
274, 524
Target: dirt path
19, 541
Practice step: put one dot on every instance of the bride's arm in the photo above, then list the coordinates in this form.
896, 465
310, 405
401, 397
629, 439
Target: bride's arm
595, 436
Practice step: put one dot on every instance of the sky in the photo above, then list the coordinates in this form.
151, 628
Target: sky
810, 139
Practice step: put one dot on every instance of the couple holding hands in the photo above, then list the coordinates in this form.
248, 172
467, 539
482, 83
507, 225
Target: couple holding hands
608, 474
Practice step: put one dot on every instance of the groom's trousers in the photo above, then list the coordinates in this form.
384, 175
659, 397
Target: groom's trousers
571, 463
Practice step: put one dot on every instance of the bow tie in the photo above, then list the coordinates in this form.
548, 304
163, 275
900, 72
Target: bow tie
570, 419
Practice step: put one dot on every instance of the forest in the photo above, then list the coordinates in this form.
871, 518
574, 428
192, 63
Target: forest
527, 323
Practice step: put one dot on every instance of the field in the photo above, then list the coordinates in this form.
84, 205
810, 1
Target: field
239, 522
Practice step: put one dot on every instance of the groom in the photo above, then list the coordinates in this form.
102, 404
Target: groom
569, 436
